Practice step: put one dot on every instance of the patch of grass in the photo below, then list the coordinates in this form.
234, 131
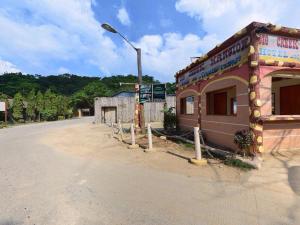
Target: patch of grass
187, 145
238, 163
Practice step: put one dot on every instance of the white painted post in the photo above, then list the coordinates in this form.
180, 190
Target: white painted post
197, 143
120, 129
149, 137
132, 135
112, 129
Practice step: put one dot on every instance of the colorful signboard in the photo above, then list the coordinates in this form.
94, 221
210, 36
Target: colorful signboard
226, 59
279, 48
152, 92
159, 92
145, 93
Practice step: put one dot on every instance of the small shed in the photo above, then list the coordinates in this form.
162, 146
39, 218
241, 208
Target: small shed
112, 109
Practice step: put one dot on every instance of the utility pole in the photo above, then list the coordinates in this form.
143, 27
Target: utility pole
139, 107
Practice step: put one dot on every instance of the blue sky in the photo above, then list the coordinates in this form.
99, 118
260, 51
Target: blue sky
58, 36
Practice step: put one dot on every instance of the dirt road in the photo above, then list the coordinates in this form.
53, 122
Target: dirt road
73, 172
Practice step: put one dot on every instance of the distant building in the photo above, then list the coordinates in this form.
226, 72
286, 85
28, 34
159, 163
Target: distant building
124, 94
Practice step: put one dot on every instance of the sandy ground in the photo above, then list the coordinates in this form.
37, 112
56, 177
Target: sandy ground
75, 173
96, 141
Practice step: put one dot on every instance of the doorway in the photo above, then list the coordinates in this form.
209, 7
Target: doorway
109, 114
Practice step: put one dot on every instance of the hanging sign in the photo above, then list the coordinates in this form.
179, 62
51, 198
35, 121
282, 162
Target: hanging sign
145, 93
279, 48
159, 92
226, 59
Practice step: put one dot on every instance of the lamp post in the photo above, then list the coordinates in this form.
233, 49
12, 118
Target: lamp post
139, 107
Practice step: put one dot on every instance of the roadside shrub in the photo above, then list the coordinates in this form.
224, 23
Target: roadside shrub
2, 124
60, 118
169, 118
244, 140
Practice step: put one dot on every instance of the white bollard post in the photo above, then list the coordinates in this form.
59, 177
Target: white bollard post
197, 143
198, 159
133, 145
132, 134
112, 129
150, 143
120, 130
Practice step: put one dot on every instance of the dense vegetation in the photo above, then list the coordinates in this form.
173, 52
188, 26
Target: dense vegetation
37, 97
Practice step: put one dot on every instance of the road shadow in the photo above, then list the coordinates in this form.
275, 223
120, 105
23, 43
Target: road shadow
294, 178
9, 222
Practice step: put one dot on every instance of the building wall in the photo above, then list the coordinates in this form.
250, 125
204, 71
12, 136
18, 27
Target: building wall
187, 122
126, 105
281, 135
218, 129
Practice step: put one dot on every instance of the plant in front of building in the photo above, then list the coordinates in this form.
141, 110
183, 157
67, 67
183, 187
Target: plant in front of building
244, 140
169, 118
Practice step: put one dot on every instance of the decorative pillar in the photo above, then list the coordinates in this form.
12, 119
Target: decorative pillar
254, 95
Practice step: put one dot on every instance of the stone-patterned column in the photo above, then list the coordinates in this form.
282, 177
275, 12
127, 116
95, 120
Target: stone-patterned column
199, 105
254, 95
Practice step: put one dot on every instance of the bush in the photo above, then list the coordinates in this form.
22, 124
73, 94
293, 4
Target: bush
60, 118
169, 118
244, 140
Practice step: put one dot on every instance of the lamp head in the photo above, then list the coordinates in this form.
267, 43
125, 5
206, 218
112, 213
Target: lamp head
108, 27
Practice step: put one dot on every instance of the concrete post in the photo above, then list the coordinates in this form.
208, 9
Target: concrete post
132, 134
197, 143
198, 159
120, 129
150, 143
149, 137
112, 129
133, 144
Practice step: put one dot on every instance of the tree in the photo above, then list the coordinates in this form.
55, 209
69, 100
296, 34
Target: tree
18, 107
49, 111
63, 106
39, 104
31, 105
85, 97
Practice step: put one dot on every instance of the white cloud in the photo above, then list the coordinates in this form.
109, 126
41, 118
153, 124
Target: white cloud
163, 55
7, 67
225, 17
54, 32
63, 70
123, 16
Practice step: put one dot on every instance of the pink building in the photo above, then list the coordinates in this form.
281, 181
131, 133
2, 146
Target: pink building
250, 81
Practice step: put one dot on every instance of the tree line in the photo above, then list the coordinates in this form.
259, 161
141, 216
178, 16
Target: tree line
36, 97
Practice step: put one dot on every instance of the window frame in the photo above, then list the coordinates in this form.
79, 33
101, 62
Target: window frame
229, 106
183, 105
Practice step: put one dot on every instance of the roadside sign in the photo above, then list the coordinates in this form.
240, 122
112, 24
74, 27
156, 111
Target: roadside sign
2, 107
159, 92
152, 93
145, 93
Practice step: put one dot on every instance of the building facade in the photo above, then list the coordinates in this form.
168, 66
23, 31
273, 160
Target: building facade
113, 109
249, 82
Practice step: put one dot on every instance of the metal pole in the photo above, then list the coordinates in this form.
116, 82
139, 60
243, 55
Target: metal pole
140, 81
197, 143
139, 64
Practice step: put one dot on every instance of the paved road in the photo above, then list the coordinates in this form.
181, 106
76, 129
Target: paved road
44, 184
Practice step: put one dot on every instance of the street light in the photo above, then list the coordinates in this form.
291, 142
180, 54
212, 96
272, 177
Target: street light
109, 28
139, 109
